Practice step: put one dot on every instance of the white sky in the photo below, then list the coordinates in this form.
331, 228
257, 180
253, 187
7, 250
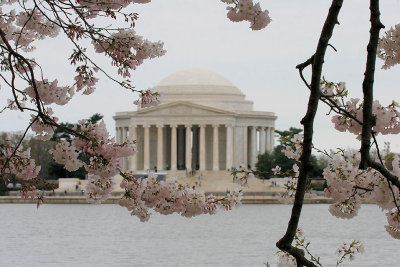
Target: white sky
261, 64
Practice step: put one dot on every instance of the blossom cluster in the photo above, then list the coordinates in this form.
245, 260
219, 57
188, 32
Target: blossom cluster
286, 260
387, 118
95, 6
14, 160
43, 130
349, 250
348, 185
85, 79
12, 105
290, 184
67, 155
246, 10
292, 150
389, 47
148, 98
295, 147
99, 188
169, 196
36, 21
20, 164
234, 199
393, 227
276, 170
128, 50
242, 176
335, 92
30, 191
50, 92
97, 153
287, 197
34, 24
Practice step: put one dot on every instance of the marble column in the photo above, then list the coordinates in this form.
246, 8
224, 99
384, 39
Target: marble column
195, 145
188, 146
268, 139
146, 149
173, 147
181, 147
215, 148
160, 148
124, 160
117, 135
229, 146
133, 159
124, 133
253, 147
272, 139
262, 140
244, 152
202, 147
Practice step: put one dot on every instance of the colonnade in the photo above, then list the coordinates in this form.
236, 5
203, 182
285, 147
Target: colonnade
195, 146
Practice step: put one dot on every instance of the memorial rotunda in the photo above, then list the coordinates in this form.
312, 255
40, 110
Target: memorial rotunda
203, 123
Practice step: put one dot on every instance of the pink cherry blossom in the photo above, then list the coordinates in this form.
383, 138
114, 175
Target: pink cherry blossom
389, 47
393, 227
167, 197
246, 10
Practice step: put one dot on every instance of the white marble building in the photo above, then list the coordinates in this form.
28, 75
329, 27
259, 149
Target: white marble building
204, 123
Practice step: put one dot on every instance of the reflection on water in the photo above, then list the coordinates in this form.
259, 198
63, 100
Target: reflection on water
106, 235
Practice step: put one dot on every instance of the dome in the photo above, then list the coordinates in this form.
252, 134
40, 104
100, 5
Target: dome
204, 87
195, 77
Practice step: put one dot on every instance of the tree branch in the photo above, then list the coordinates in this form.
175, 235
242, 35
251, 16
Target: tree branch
308, 122
368, 84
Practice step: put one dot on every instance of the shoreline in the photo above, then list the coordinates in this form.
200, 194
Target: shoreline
253, 199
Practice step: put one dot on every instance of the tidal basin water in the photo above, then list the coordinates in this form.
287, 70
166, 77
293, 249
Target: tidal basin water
106, 235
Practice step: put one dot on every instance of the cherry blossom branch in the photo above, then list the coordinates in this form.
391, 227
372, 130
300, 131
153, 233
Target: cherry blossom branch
338, 109
385, 172
363, 188
23, 26
61, 23
387, 180
301, 244
18, 145
17, 55
368, 84
325, 98
368, 88
349, 250
13, 82
21, 34
308, 121
324, 152
39, 104
368, 117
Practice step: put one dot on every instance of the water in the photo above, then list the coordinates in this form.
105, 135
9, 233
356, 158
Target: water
106, 235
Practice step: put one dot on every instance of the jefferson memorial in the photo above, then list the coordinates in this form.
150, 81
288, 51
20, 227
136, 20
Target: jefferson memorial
204, 123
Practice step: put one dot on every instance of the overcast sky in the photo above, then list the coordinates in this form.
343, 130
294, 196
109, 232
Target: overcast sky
261, 64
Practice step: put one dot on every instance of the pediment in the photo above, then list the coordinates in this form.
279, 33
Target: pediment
182, 108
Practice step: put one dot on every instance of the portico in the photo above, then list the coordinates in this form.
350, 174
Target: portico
204, 123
